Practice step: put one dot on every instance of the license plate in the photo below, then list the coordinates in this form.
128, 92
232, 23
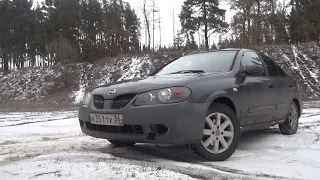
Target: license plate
107, 119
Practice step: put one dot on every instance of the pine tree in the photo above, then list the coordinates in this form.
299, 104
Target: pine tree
204, 14
305, 21
132, 27
17, 29
6, 46
88, 29
178, 41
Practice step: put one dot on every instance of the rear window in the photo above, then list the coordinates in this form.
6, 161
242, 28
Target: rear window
281, 71
219, 61
272, 68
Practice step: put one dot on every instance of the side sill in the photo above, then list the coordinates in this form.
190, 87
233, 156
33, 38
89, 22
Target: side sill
261, 125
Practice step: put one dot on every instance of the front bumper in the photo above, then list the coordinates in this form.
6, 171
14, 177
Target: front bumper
184, 121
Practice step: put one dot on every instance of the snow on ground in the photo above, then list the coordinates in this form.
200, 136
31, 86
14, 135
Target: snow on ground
50, 145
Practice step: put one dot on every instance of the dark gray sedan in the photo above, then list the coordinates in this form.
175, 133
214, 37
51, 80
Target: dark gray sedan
203, 101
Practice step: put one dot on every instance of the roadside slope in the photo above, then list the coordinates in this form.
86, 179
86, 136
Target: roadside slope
50, 85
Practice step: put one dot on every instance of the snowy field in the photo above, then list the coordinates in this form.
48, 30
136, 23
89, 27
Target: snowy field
50, 145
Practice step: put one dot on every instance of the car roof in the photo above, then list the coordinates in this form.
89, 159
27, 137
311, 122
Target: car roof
219, 50
236, 49
233, 49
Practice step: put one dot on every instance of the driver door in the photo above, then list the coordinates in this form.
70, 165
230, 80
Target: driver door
257, 93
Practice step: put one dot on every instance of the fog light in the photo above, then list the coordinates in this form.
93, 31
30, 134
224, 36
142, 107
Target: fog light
160, 129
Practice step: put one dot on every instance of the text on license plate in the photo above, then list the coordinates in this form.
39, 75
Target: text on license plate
107, 119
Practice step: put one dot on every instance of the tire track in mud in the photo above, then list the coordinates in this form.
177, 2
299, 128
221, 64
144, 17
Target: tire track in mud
27, 118
15, 119
136, 156
310, 115
13, 159
140, 160
155, 155
187, 156
165, 157
19, 150
33, 122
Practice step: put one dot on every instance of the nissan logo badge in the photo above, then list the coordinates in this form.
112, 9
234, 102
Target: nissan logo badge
112, 92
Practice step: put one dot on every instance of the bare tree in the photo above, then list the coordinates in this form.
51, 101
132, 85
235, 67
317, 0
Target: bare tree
147, 22
63, 53
62, 50
173, 27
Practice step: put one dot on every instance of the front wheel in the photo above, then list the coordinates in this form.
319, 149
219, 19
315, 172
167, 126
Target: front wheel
290, 126
221, 134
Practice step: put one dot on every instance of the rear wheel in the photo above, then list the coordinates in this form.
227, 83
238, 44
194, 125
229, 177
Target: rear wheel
221, 134
121, 144
290, 126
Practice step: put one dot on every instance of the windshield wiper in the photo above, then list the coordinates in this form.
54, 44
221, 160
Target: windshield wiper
188, 71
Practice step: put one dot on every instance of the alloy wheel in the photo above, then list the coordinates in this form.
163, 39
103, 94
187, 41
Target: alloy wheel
292, 116
218, 133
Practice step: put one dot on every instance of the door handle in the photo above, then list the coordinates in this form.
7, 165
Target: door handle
270, 85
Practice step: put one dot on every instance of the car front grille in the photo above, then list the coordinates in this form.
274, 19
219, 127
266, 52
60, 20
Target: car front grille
117, 103
126, 129
122, 100
98, 101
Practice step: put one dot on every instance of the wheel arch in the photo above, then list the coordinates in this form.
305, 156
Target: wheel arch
224, 97
296, 101
226, 101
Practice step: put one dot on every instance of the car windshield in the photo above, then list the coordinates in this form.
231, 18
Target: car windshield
219, 61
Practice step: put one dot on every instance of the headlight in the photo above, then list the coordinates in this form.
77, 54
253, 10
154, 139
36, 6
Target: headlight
86, 99
163, 96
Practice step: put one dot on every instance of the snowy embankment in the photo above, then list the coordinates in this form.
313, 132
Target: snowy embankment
302, 62
47, 84
29, 84
50, 145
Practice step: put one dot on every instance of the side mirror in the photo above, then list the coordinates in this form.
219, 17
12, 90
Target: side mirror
254, 70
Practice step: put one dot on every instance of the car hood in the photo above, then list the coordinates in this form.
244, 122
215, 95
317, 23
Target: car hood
136, 86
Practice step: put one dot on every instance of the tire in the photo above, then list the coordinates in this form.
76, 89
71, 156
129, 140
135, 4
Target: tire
121, 144
210, 135
290, 126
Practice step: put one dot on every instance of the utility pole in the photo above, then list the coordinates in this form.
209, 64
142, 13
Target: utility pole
174, 31
159, 29
154, 21
153, 11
